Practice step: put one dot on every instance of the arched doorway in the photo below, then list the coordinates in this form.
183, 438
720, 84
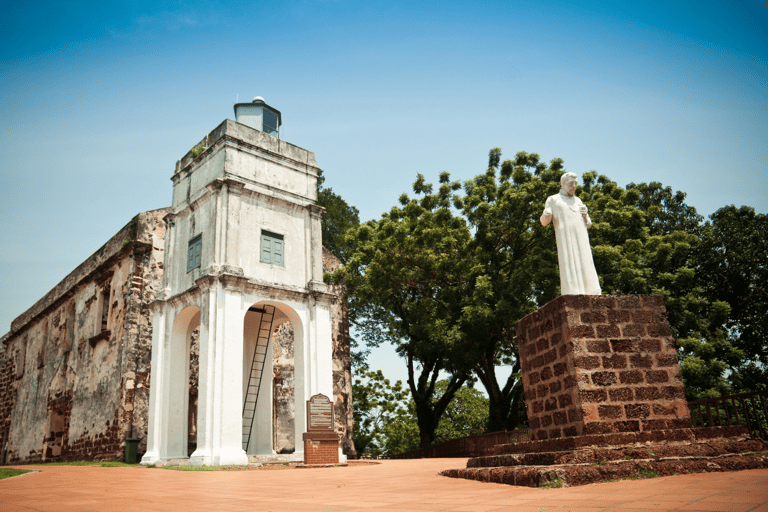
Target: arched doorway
177, 418
269, 333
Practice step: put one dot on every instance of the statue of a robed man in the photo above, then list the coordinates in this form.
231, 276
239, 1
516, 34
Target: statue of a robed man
574, 255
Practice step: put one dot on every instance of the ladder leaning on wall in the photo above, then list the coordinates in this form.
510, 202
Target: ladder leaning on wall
257, 370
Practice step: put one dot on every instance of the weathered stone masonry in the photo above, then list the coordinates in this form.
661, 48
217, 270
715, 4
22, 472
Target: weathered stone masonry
75, 366
600, 364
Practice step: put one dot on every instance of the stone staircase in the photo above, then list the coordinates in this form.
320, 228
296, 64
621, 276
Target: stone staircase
589, 459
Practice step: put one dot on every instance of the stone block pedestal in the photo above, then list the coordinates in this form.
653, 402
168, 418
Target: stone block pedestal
600, 364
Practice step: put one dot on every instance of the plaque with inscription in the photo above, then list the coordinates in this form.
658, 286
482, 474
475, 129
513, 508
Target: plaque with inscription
319, 414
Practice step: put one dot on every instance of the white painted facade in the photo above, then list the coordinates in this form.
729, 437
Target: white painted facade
244, 183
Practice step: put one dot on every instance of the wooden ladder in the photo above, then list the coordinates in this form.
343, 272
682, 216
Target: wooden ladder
257, 370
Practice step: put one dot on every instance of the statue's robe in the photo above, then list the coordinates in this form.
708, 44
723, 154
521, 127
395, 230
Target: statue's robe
574, 255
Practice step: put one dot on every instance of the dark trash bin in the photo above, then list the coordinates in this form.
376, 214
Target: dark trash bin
131, 450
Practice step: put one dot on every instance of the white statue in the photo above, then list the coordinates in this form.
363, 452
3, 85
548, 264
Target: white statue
574, 255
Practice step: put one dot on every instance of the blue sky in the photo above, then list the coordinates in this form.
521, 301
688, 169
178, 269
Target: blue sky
99, 99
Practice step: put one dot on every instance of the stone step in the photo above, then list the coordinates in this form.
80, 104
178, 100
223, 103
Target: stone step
636, 453
565, 475
678, 436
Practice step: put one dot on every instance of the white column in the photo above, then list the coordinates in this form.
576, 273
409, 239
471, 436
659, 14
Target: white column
228, 376
203, 455
155, 420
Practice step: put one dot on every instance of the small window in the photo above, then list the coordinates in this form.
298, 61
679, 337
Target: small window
272, 248
269, 122
193, 254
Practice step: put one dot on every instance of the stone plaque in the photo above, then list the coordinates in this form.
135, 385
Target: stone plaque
319, 414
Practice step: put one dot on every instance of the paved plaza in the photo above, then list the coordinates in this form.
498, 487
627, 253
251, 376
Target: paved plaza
402, 485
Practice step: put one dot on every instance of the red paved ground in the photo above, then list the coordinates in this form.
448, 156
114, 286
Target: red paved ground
403, 485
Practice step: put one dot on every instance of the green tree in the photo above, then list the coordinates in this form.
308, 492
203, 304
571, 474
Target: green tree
400, 280
466, 415
638, 250
733, 268
338, 219
377, 405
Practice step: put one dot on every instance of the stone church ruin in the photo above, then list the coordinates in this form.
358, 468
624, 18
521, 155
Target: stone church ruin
199, 329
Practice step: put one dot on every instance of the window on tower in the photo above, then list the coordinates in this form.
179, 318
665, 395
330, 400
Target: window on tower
269, 122
194, 252
272, 248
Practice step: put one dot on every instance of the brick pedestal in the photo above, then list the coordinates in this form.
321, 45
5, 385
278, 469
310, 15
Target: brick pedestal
600, 364
321, 448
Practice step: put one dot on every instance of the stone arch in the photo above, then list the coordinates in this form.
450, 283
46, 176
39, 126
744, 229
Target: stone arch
273, 429
176, 423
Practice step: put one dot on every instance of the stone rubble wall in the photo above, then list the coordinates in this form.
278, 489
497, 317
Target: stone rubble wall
342, 362
71, 380
600, 364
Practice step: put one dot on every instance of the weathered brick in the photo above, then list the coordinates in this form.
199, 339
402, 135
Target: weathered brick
670, 392
633, 330
664, 410
618, 316
542, 344
546, 373
608, 331
616, 361
652, 345
644, 316
586, 362
550, 404
546, 420
560, 418
640, 361
538, 407
593, 395
564, 400
631, 377
666, 360
570, 431
609, 412
555, 386
629, 301
637, 410
592, 317
622, 345
604, 378
551, 356
659, 330
533, 377
654, 424
569, 381
656, 376
555, 338
621, 394
559, 369
534, 422
647, 393
581, 331
598, 346
542, 390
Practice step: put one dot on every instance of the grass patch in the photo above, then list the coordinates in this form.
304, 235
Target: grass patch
210, 468
600, 462
10, 472
557, 483
100, 463
644, 473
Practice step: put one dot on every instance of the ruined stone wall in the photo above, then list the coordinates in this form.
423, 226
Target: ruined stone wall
77, 363
342, 362
283, 390
600, 364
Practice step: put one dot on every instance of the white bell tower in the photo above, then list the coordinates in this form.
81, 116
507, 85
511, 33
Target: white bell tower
243, 254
